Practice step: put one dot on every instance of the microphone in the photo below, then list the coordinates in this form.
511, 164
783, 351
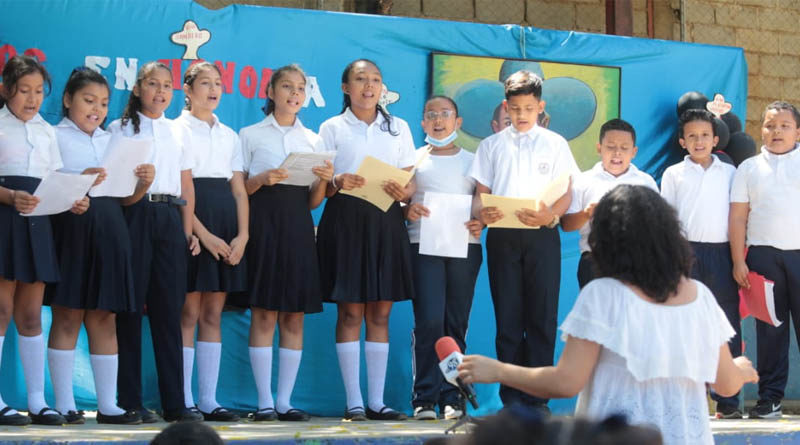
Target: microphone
449, 358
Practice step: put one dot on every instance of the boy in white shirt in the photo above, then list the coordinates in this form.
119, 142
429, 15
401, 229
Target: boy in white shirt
617, 147
524, 265
699, 189
764, 212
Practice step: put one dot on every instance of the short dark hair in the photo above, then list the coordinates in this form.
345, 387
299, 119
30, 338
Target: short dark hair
439, 96
618, 125
187, 433
18, 67
523, 82
783, 106
696, 114
636, 237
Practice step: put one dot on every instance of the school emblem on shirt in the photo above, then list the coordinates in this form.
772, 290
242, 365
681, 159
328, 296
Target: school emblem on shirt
544, 168
192, 37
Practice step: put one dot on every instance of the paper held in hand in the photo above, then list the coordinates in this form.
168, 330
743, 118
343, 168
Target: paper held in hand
509, 206
122, 157
58, 192
299, 166
443, 233
375, 172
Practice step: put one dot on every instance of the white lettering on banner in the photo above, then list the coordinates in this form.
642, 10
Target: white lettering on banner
97, 63
126, 73
313, 92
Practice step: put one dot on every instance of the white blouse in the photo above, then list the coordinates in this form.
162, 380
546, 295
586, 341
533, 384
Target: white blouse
353, 139
654, 359
80, 151
266, 145
215, 148
27, 148
169, 155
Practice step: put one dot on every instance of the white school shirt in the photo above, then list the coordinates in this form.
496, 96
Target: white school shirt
594, 183
443, 174
80, 151
701, 197
771, 184
27, 148
170, 155
266, 145
353, 140
215, 148
521, 165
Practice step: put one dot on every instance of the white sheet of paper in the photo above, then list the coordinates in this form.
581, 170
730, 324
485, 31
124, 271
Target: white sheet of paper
443, 233
299, 166
58, 192
122, 157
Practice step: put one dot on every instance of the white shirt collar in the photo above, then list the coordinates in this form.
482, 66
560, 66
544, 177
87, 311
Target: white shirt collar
68, 123
270, 121
351, 118
143, 118
519, 136
5, 113
772, 156
186, 114
715, 162
598, 169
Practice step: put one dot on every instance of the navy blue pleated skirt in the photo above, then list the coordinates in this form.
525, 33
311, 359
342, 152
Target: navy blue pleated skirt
364, 253
94, 252
216, 209
27, 251
282, 269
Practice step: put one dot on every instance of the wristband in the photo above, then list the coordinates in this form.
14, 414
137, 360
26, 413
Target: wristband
554, 222
333, 182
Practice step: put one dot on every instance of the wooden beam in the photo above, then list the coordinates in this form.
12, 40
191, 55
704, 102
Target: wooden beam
619, 17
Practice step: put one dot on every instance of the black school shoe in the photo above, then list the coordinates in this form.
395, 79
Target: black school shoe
264, 415
765, 409
186, 415
52, 417
74, 417
13, 419
146, 415
220, 414
355, 414
294, 415
130, 417
385, 413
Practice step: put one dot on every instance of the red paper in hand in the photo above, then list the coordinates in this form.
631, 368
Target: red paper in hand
759, 299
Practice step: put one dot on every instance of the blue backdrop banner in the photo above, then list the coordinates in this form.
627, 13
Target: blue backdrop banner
249, 42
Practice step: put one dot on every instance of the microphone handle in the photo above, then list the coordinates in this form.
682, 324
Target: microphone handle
468, 392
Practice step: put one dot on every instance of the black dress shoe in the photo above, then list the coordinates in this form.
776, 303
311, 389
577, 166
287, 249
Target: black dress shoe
385, 413
13, 419
51, 418
294, 415
130, 417
75, 417
355, 414
146, 415
186, 415
220, 414
264, 415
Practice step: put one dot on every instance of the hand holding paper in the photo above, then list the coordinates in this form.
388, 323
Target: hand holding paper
119, 178
300, 167
760, 299
58, 192
443, 233
348, 181
514, 211
24, 202
375, 173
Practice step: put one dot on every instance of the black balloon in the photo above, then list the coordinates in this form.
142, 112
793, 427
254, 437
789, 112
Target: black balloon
691, 100
721, 129
733, 122
740, 147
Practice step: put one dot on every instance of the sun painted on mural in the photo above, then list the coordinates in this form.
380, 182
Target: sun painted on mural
578, 98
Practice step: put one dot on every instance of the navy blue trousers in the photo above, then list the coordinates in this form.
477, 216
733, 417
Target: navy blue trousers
159, 269
443, 289
524, 276
713, 267
782, 267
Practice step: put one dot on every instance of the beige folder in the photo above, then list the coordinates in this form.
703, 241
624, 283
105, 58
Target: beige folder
509, 206
376, 172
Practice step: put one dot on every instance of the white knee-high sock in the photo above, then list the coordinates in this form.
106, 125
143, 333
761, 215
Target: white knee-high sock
261, 362
61, 363
31, 353
2, 403
208, 357
349, 364
287, 374
377, 357
104, 368
188, 365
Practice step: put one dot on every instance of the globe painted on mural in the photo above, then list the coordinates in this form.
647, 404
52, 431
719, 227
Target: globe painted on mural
510, 67
476, 102
571, 105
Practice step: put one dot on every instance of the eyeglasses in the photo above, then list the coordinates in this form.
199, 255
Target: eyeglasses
433, 115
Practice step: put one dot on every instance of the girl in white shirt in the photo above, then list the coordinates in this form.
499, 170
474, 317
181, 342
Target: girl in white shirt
365, 256
94, 255
282, 261
444, 286
625, 350
160, 227
28, 152
221, 224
